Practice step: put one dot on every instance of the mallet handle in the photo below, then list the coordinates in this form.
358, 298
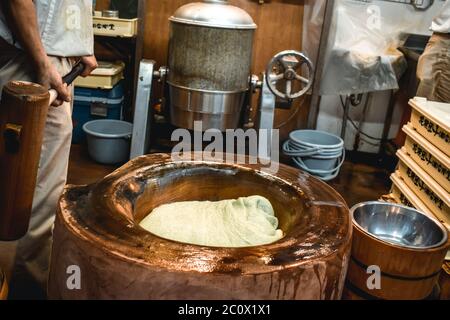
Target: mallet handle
68, 79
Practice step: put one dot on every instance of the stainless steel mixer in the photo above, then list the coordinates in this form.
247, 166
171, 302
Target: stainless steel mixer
210, 53
208, 76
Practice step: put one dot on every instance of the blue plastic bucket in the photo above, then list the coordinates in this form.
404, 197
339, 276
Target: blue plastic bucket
318, 153
108, 140
95, 104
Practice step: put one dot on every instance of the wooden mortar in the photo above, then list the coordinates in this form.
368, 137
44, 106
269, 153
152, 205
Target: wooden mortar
97, 229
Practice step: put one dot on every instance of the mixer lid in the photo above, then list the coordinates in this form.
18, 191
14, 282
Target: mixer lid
213, 13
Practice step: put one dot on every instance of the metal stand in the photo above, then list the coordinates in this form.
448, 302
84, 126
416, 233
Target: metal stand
345, 117
266, 116
143, 111
285, 66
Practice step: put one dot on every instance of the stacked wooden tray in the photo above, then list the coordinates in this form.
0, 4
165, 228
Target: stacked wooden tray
422, 178
432, 121
115, 27
106, 76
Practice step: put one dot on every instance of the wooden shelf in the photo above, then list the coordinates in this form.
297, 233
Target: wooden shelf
129, 49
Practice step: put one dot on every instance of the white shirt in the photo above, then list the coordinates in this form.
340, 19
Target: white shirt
441, 23
65, 27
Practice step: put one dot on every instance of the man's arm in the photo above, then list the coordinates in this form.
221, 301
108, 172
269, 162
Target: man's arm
24, 24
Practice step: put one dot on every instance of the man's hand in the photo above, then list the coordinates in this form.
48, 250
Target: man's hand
49, 77
90, 64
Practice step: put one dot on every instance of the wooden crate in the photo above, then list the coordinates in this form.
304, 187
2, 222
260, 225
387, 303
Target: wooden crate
432, 121
436, 199
402, 194
106, 76
115, 27
428, 157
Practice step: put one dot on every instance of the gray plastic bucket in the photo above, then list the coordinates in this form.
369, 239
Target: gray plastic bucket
319, 153
108, 140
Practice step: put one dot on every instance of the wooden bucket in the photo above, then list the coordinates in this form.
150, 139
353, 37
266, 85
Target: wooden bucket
3, 286
444, 281
405, 273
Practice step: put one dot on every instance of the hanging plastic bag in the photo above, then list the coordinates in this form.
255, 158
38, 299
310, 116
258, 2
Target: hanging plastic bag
362, 55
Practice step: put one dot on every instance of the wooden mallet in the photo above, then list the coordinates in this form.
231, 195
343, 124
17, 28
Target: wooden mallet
23, 114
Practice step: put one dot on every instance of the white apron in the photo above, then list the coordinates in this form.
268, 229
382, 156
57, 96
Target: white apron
65, 27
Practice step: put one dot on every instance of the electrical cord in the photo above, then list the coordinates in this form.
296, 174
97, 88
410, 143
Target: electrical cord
293, 114
357, 127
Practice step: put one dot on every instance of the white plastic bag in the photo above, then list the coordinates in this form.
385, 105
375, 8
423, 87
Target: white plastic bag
362, 52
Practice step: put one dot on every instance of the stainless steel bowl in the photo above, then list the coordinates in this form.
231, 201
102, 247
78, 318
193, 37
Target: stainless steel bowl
399, 225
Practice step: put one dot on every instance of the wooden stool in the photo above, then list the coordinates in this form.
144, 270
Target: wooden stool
3, 286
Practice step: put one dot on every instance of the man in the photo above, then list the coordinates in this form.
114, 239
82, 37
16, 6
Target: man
40, 41
433, 70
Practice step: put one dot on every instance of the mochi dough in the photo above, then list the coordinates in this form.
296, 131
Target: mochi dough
242, 222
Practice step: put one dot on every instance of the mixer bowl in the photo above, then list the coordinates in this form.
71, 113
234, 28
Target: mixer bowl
399, 225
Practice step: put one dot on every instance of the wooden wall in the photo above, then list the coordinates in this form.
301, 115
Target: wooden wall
279, 28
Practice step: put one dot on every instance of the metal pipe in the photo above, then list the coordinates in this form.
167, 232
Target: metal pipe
345, 117
388, 122
361, 122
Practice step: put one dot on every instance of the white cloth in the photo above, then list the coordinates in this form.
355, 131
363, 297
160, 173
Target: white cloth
65, 27
441, 23
247, 221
